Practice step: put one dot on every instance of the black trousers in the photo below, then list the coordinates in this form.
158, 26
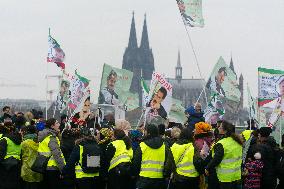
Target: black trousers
231, 185
190, 182
31, 185
87, 183
51, 180
118, 181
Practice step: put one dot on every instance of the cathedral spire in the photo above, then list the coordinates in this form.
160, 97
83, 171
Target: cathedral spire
232, 64
145, 40
178, 69
132, 43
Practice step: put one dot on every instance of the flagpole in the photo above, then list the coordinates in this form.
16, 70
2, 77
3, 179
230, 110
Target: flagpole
196, 61
46, 90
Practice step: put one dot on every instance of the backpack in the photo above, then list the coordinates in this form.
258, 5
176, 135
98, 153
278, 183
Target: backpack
91, 158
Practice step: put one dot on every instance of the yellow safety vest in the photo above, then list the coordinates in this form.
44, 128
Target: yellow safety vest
1, 136
121, 155
229, 169
43, 149
183, 157
13, 150
153, 161
247, 134
78, 169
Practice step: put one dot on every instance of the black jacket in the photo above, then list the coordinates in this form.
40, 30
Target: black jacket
74, 157
154, 143
268, 150
9, 177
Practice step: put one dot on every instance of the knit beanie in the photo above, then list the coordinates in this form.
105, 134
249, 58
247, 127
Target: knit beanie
202, 127
265, 131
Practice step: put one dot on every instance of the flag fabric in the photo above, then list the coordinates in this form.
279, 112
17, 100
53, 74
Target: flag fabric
177, 114
114, 89
271, 94
160, 97
79, 91
145, 92
63, 95
214, 110
223, 82
251, 104
191, 12
55, 53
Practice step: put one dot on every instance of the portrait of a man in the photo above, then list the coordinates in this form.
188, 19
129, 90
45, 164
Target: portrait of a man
107, 94
155, 103
215, 83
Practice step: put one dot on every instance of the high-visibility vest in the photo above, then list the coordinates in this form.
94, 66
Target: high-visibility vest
1, 136
229, 169
183, 157
78, 169
43, 149
153, 161
246, 134
121, 155
13, 150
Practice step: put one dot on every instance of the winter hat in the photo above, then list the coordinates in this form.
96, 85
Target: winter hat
190, 110
202, 127
265, 131
257, 155
105, 135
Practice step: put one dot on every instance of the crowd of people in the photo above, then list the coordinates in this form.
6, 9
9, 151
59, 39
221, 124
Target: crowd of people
37, 153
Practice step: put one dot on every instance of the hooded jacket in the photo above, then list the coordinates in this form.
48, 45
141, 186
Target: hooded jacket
194, 117
53, 146
154, 143
29, 154
9, 178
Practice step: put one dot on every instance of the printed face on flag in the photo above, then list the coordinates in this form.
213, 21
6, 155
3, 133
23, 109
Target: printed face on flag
160, 93
191, 12
223, 81
115, 85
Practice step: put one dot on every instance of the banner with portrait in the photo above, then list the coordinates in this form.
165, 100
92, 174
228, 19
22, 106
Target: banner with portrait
223, 81
63, 95
160, 97
191, 12
114, 89
271, 94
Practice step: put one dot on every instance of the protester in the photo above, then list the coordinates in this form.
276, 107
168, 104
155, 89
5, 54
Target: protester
184, 162
266, 145
194, 115
49, 145
10, 161
253, 172
227, 157
167, 140
85, 160
6, 113
203, 138
119, 155
29, 153
149, 160
123, 125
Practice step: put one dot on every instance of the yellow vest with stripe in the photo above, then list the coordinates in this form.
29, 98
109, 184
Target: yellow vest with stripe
121, 155
78, 169
13, 150
229, 169
43, 149
184, 165
247, 134
153, 161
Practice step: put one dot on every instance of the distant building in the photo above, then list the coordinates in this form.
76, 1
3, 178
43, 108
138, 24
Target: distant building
187, 90
139, 60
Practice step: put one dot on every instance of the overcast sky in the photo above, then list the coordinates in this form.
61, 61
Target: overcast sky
94, 32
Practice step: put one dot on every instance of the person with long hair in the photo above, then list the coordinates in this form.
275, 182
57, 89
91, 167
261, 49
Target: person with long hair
119, 155
227, 157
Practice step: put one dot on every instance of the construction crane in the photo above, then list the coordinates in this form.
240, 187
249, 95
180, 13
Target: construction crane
4, 82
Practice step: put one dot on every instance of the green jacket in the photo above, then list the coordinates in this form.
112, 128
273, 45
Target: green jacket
29, 154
